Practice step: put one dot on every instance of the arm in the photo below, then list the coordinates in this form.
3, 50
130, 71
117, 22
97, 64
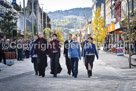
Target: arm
69, 51
79, 52
64, 48
96, 52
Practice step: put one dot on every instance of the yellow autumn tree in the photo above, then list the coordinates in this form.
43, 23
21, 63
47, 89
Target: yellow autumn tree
47, 32
99, 31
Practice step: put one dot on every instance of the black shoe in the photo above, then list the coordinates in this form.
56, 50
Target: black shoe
36, 73
0, 69
55, 75
75, 76
89, 73
69, 73
43, 75
40, 74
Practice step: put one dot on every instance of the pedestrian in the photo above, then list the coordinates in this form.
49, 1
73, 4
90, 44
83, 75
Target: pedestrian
135, 45
84, 42
74, 54
34, 56
41, 49
20, 49
2, 51
68, 61
54, 54
89, 53
27, 49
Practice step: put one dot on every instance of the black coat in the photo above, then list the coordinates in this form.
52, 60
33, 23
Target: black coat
66, 46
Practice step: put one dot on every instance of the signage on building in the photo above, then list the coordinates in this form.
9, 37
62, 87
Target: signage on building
14, 2
111, 28
118, 11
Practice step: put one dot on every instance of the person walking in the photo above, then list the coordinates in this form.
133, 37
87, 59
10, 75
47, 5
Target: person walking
74, 54
54, 54
34, 56
66, 46
19, 49
2, 52
27, 49
89, 53
41, 50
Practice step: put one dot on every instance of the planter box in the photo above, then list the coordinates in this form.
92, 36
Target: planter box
10, 55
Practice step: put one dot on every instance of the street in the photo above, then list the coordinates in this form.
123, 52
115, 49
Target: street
110, 73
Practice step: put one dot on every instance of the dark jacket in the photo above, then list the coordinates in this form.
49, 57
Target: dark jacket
52, 47
66, 46
82, 45
41, 46
90, 49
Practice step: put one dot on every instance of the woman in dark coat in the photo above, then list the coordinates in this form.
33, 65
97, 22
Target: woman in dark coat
54, 54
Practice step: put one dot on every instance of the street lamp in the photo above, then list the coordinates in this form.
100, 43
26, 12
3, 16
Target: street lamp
129, 36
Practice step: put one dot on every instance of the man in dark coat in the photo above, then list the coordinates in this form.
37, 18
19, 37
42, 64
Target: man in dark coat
41, 49
68, 61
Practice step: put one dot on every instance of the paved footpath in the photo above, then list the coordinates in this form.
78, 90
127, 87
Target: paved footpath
111, 73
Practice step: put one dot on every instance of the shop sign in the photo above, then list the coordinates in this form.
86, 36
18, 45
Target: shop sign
117, 25
111, 28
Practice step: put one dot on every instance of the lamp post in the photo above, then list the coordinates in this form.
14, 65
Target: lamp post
129, 36
24, 17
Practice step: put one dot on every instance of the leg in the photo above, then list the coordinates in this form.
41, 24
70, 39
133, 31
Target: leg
56, 64
35, 66
72, 66
75, 67
68, 64
4, 58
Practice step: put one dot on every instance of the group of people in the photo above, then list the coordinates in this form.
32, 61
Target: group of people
41, 48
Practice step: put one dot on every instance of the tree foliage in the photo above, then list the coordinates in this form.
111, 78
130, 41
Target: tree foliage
47, 32
28, 34
8, 23
99, 31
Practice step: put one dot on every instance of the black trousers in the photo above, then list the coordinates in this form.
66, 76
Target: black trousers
74, 62
68, 64
42, 64
34, 60
89, 59
55, 65
2, 56
27, 53
19, 54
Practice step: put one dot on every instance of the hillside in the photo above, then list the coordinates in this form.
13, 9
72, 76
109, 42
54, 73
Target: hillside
75, 13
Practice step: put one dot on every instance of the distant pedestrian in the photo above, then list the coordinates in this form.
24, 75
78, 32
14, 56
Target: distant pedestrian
89, 53
41, 49
2, 51
74, 54
54, 54
34, 56
27, 49
68, 61
135, 45
20, 49
84, 42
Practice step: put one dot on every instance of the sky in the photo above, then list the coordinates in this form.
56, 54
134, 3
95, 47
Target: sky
53, 5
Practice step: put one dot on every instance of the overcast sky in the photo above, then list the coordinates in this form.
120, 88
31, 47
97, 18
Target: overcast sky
53, 5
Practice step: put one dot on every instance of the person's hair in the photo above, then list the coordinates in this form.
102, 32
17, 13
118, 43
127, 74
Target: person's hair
70, 34
90, 38
54, 35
